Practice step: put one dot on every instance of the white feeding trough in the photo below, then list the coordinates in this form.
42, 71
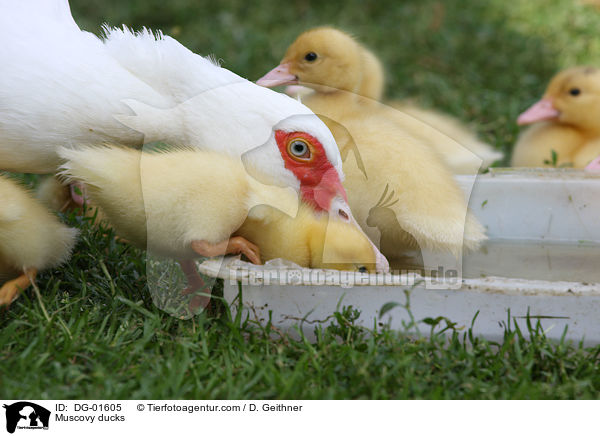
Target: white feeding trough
542, 260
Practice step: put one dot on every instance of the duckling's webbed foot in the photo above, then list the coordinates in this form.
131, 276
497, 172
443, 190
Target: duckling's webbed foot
10, 290
235, 245
195, 284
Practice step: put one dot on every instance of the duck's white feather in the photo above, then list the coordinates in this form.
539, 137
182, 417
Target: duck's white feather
164, 63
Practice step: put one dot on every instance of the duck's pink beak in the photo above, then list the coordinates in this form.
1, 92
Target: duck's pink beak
542, 110
594, 165
280, 75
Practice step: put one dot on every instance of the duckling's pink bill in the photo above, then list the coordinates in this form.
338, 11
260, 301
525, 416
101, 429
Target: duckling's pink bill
542, 110
594, 165
280, 75
340, 209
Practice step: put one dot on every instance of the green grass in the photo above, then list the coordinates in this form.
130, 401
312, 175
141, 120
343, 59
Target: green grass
96, 334
104, 338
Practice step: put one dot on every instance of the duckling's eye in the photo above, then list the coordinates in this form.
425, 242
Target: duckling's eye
575, 91
362, 269
299, 149
311, 56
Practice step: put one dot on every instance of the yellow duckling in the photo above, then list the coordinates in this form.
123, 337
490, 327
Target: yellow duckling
327, 60
31, 239
187, 202
429, 209
310, 240
567, 122
379, 151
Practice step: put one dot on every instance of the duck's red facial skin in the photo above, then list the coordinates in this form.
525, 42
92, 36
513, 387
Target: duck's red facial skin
319, 181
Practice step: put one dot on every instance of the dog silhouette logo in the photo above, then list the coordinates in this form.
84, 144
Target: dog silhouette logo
26, 415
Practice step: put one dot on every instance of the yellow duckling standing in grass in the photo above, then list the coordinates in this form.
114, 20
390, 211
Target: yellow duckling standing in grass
187, 203
566, 123
31, 239
326, 59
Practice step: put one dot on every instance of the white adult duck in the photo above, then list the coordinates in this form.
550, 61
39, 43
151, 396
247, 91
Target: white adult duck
62, 86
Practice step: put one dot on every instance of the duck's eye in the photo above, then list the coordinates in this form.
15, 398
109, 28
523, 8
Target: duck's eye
575, 91
343, 214
362, 269
311, 56
299, 149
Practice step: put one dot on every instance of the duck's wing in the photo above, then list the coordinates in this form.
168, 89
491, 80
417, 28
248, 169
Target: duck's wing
215, 108
165, 64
